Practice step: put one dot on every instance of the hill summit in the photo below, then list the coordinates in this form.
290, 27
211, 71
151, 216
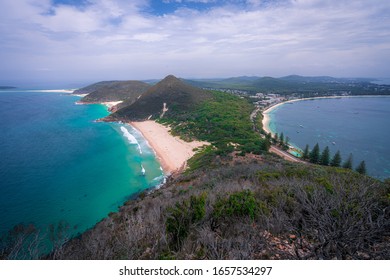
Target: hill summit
169, 97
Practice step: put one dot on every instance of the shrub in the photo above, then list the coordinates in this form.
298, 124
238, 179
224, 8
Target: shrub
181, 216
241, 203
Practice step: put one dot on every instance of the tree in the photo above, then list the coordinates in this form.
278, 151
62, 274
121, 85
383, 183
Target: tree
276, 138
325, 156
281, 139
285, 145
361, 168
306, 152
315, 154
348, 163
336, 160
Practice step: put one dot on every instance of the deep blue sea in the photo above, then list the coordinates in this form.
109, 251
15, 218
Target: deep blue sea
358, 125
58, 165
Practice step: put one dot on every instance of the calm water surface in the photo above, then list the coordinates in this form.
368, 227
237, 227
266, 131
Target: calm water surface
358, 125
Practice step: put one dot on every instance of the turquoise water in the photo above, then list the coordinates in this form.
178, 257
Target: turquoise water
358, 125
57, 164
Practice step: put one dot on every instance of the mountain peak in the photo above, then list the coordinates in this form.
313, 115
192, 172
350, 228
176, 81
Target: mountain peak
170, 77
171, 93
170, 80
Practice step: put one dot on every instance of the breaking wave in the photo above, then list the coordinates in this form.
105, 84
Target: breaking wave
159, 181
130, 137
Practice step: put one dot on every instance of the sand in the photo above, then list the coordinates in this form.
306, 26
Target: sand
111, 104
172, 152
267, 118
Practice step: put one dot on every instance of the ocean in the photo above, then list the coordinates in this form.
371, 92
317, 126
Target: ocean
59, 166
357, 125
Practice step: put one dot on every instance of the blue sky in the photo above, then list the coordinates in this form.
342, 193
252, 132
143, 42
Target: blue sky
91, 40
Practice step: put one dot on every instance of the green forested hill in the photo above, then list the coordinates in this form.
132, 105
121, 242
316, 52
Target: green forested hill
113, 91
178, 97
220, 118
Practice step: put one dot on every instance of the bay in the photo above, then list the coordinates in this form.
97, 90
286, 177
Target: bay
357, 125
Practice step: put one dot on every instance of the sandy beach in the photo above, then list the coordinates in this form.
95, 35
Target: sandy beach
172, 152
267, 119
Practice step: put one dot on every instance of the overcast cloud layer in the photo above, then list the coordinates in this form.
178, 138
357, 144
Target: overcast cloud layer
118, 39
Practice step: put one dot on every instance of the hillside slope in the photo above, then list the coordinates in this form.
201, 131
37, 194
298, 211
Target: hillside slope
177, 96
249, 208
113, 91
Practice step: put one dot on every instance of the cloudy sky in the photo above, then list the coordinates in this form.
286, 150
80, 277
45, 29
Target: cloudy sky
92, 40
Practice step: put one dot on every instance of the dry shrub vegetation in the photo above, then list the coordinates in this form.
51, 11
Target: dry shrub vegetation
267, 209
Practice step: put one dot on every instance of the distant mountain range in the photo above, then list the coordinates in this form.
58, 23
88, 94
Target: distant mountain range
295, 84
6, 87
173, 96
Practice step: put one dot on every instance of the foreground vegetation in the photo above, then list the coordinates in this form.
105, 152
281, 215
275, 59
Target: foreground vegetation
262, 208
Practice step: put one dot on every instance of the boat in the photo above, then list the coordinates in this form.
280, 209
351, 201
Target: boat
334, 143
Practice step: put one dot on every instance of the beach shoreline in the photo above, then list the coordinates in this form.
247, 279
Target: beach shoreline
267, 119
171, 151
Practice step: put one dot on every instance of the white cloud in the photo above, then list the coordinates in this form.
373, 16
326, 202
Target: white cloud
115, 39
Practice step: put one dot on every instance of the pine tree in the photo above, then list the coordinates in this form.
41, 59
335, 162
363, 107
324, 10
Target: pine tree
306, 152
315, 154
348, 163
281, 139
285, 145
336, 160
325, 156
276, 138
362, 168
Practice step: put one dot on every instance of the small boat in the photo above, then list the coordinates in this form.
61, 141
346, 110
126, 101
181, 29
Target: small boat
334, 143
143, 170
301, 125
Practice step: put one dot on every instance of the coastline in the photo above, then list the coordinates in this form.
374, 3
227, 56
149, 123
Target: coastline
267, 119
171, 151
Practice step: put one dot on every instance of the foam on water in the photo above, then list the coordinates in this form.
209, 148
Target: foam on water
159, 181
130, 137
